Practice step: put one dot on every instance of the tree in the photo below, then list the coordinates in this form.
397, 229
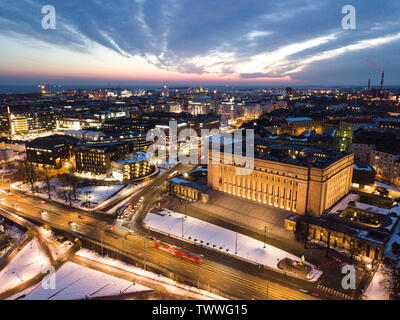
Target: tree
47, 177
65, 181
27, 172
396, 248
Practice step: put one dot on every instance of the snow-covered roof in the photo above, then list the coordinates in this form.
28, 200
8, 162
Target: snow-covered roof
298, 119
386, 186
137, 157
367, 168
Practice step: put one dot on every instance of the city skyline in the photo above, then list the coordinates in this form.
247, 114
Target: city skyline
250, 43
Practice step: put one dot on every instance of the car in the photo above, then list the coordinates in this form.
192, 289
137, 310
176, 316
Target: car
81, 217
10, 194
15, 203
43, 212
72, 224
1, 199
43, 201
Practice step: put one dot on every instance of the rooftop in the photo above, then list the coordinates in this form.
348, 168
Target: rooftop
301, 155
135, 157
187, 183
300, 119
51, 141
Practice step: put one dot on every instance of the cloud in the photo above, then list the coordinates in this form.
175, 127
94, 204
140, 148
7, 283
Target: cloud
243, 39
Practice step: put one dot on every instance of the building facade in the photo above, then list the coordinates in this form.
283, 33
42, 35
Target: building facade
50, 151
294, 187
96, 159
134, 166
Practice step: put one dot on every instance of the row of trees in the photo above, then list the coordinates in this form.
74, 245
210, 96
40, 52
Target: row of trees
31, 174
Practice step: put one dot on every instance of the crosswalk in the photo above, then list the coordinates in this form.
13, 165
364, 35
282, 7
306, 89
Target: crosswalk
334, 292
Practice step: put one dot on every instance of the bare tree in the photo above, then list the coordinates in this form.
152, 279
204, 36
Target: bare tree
47, 177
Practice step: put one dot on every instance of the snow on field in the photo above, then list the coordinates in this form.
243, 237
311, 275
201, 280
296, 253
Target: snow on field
97, 194
379, 286
29, 262
169, 284
220, 239
74, 281
57, 249
94, 194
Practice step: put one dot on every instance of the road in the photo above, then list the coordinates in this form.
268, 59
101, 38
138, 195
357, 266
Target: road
233, 279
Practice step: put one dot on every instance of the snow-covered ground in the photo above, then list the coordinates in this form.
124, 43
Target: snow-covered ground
73, 281
217, 238
167, 283
94, 194
57, 249
394, 238
133, 189
28, 263
97, 194
379, 286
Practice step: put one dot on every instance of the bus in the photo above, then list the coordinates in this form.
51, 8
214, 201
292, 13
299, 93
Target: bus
176, 251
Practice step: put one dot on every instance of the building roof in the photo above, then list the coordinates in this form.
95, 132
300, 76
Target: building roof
135, 157
300, 119
190, 184
347, 227
321, 156
51, 141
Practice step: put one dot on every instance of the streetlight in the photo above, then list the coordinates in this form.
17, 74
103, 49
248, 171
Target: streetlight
237, 243
182, 224
265, 235
198, 276
101, 238
144, 253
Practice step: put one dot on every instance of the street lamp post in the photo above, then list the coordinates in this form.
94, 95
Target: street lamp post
101, 237
144, 253
198, 275
123, 244
265, 235
236, 243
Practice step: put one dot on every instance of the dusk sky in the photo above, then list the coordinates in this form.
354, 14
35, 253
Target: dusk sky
293, 42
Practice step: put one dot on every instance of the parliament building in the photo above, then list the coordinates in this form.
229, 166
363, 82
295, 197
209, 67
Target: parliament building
295, 178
